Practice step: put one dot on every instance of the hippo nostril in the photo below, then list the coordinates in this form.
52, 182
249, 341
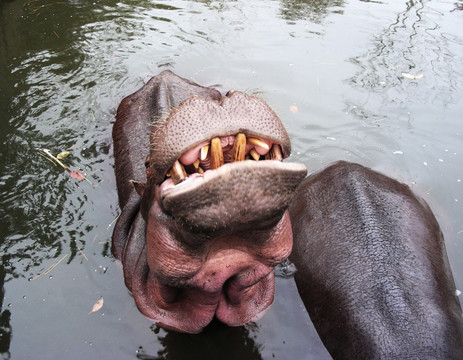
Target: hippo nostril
169, 294
233, 291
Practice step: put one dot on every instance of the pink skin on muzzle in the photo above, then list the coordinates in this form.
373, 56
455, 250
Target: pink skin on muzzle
229, 277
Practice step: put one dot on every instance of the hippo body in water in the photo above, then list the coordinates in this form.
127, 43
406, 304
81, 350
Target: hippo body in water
209, 209
372, 268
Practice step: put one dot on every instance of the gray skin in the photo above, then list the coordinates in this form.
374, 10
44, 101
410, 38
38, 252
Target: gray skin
206, 247
372, 268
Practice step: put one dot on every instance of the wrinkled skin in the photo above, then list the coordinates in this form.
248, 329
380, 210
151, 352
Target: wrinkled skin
372, 268
207, 246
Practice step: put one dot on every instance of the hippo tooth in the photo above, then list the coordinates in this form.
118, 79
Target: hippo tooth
239, 147
216, 153
259, 143
178, 173
255, 155
197, 168
204, 151
274, 153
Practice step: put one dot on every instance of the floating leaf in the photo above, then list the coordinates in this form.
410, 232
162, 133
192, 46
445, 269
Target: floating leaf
412, 77
62, 155
98, 305
76, 175
293, 109
46, 151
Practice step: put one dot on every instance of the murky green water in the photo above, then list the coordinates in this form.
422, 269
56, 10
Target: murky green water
331, 69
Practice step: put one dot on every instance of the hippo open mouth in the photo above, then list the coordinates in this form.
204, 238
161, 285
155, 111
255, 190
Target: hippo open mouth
199, 160
212, 221
214, 153
223, 183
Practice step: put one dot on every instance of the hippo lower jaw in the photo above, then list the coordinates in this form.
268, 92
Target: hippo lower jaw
234, 198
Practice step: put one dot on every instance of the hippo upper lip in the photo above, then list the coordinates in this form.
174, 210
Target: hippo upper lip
198, 120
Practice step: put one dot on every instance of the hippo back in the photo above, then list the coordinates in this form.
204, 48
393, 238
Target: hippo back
372, 268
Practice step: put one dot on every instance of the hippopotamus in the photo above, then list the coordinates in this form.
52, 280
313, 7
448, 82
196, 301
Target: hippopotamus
372, 268
209, 208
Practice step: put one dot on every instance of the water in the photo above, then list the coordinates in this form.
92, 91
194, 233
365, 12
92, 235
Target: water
332, 70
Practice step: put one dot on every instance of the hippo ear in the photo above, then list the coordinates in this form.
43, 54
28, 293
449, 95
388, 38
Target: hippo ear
139, 187
147, 166
147, 161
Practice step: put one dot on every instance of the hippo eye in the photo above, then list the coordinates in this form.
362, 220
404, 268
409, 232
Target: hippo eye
221, 150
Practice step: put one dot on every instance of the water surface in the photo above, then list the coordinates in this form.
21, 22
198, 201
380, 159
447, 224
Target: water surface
332, 70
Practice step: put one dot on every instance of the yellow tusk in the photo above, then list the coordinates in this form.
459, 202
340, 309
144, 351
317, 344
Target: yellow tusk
255, 155
178, 173
204, 151
216, 153
239, 148
259, 143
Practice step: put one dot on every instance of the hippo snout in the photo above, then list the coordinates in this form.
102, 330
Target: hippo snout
210, 218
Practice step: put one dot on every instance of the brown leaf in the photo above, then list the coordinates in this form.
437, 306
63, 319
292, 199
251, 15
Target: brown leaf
76, 175
98, 305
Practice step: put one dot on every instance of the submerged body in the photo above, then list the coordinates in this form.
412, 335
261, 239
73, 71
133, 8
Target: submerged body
205, 197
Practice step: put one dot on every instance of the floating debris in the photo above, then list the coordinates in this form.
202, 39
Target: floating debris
50, 268
62, 155
75, 174
98, 305
412, 77
112, 222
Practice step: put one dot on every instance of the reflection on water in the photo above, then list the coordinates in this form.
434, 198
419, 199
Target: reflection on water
310, 10
331, 69
217, 341
416, 43
5, 327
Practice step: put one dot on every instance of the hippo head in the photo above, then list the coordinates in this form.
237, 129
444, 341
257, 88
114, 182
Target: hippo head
214, 212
